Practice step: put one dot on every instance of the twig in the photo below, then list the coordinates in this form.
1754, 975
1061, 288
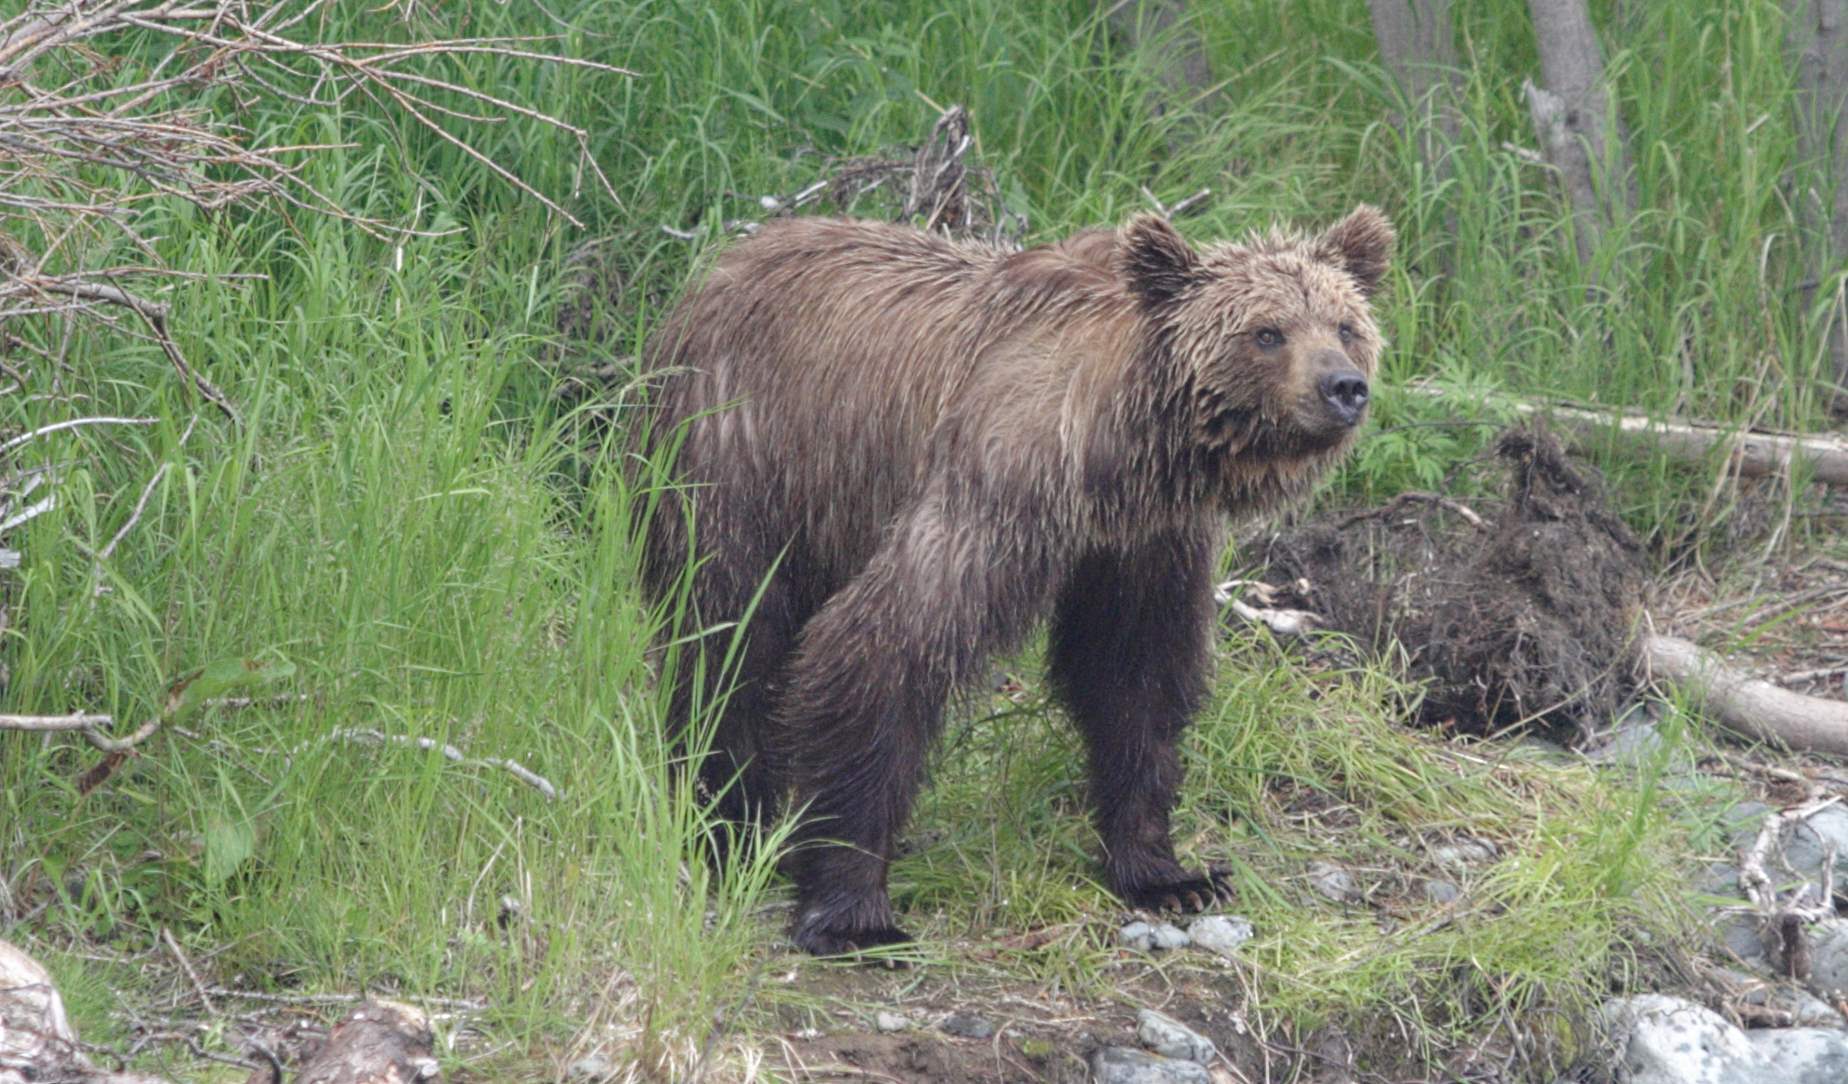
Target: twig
1391, 508
451, 1003
1807, 904
368, 736
173, 946
134, 517
69, 423
154, 315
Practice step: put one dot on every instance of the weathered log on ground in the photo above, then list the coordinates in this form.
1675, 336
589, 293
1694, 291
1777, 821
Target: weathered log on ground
36, 1039
1753, 453
380, 1042
1745, 705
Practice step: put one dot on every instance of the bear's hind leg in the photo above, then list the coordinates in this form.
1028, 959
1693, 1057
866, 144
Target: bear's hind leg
865, 698
728, 680
1130, 654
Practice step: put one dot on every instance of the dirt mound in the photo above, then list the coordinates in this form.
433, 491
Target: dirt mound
1523, 611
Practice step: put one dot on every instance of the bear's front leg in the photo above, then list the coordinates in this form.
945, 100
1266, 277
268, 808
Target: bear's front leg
1131, 658
870, 678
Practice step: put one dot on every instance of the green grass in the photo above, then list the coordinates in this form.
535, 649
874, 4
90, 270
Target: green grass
408, 518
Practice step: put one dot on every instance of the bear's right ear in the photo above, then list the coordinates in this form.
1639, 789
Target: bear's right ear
1155, 261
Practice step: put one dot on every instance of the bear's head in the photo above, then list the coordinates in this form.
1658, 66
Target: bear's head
1271, 341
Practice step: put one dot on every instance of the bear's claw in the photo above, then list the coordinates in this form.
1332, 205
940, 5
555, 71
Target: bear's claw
849, 942
1188, 895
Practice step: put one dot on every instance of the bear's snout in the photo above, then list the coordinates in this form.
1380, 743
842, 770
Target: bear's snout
1345, 392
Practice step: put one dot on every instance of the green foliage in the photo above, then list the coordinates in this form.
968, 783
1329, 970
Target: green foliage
406, 518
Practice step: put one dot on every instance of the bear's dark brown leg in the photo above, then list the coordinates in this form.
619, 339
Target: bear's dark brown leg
734, 672
1130, 654
865, 697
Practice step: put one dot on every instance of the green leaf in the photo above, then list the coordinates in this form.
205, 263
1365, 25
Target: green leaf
228, 845
189, 694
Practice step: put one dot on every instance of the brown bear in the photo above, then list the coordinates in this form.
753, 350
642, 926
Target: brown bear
893, 454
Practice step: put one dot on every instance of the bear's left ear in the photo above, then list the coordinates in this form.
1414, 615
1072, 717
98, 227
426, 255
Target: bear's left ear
1154, 260
1361, 245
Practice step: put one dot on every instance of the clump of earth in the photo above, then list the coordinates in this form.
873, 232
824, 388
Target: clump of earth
1521, 610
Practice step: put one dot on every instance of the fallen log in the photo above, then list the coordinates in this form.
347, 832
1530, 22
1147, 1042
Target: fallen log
36, 1039
1754, 453
1746, 705
380, 1042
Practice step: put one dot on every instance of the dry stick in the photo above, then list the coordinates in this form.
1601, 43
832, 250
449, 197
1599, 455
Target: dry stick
1804, 906
173, 946
90, 726
1755, 454
152, 313
368, 736
1757, 709
71, 423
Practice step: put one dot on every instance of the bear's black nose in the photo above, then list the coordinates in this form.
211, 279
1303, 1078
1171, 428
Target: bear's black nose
1346, 394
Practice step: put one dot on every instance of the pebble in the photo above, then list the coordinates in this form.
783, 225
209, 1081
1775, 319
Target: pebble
966, 1025
1464, 852
591, 1067
1221, 934
1172, 1039
1153, 937
1439, 891
1121, 1065
1333, 882
891, 1021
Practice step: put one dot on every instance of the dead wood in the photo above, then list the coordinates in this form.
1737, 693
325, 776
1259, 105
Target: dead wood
1182, 64
1750, 452
1746, 705
37, 1042
1570, 112
1817, 43
381, 1042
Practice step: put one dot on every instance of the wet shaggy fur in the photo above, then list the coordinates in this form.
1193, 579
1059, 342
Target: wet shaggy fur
898, 453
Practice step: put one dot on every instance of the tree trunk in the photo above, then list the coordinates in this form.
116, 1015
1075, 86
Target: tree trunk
1817, 42
1418, 47
1183, 67
1570, 112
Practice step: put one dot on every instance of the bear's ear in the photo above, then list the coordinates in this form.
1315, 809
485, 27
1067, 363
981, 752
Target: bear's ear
1154, 260
1361, 245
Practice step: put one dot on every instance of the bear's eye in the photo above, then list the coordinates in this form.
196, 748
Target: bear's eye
1347, 333
1269, 336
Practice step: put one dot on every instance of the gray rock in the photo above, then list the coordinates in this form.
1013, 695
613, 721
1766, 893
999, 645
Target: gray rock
966, 1025
1333, 882
1438, 891
1221, 934
1828, 945
1665, 1040
890, 1021
1739, 933
1121, 1065
1630, 741
1464, 852
591, 1067
1802, 1055
1172, 1039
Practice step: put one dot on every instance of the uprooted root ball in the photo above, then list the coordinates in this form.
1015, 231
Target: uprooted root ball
1526, 613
